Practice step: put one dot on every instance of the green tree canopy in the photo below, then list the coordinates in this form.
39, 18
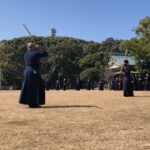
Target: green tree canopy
67, 58
140, 45
89, 73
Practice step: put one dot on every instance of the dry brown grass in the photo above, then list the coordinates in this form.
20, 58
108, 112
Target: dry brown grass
76, 120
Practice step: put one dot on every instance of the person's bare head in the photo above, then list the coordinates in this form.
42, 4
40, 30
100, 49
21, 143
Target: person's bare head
126, 62
31, 46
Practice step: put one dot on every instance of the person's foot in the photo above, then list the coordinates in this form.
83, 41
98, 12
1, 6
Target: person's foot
34, 106
38, 106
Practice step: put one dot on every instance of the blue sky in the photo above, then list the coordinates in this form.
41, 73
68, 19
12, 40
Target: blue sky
86, 19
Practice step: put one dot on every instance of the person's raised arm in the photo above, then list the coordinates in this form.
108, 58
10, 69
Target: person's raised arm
40, 53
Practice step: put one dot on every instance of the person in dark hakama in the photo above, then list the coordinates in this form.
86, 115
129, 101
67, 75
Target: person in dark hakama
57, 85
134, 82
64, 84
120, 86
127, 85
101, 85
33, 90
116, 84
147, 82
140, 83
88, 84
113, 84
77, 84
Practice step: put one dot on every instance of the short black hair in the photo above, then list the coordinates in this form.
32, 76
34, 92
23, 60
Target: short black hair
126, 61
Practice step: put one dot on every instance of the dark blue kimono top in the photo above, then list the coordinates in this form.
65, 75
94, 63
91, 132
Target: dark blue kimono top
31, 58
126, 71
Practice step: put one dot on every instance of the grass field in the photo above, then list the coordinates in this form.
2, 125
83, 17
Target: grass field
76, 120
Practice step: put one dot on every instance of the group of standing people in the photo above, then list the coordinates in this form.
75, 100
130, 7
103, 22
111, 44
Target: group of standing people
139, 82
115, 83
77, 85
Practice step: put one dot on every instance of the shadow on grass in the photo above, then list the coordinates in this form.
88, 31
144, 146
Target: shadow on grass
71, 106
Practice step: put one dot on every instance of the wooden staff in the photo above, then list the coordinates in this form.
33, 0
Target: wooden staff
29, 33
125, 54
124, 58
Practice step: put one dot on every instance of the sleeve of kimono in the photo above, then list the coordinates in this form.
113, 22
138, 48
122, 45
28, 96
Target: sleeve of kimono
40, 54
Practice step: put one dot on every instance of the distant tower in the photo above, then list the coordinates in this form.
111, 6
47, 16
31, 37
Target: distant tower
53, 32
